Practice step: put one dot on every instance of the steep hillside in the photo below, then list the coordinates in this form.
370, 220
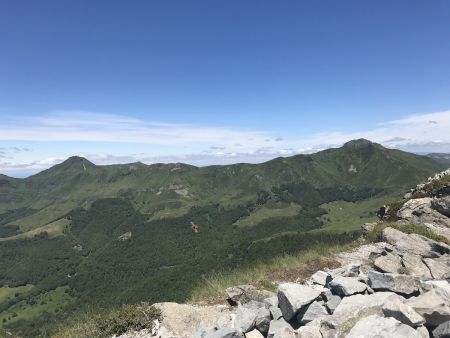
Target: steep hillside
108, 235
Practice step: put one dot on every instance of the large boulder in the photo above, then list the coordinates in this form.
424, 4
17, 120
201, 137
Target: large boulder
439, 267
431, 306
309, 332
292, 297
313, 311
346, 286
414, 266
442, 205
378, 327
388, 263
254, 334
397, 283
351, 309
414, 244
442, 331
280, 329
226, 332
252, 315
321, 278
332, 303
442, 287
407, 315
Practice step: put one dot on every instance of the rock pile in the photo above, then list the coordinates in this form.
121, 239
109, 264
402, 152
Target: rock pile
397, 288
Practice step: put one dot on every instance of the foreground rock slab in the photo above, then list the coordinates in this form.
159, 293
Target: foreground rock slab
397, 283
292, 297
379, 327
431, 306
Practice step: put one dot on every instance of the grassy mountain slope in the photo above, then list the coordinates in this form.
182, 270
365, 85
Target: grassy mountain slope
126, 233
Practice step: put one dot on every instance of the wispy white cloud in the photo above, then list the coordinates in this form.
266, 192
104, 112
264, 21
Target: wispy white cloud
215, 145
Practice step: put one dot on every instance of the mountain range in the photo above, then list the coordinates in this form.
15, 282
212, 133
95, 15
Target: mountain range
85, 235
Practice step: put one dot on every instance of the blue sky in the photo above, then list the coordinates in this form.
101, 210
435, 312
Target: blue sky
218, 81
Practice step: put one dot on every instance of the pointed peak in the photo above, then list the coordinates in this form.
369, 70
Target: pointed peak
77, 161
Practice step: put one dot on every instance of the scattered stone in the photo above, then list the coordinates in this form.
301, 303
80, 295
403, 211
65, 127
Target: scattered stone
292, 297
271, 301
350, 270
346, 286
439, 267
226, 332
414, 266
309, 332
332, 303
423, 331
254, 334
275, 312
431, 306
442, 331
388, 263
245, 319
402, 312
279, 327
313, 311
397, 283
126, 236
442, 287
321, 278
378, 327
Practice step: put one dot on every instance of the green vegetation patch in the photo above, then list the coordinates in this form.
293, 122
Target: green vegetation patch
7, 293
26, 310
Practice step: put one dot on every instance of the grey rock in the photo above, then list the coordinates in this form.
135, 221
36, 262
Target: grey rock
431, 306
423, 331
313, 311
407, 315
439, 267
350, 270
346, 286
279, 327
350, 308
292, 297
321, 278
378, 327
414, 266
368, 227
332, 303
388, 263
442, 205
309, 332
275, 312
397, 283
442, 331
226, 332
254, 334
271, 301
262, 320
414, 244
441, 287
245, 319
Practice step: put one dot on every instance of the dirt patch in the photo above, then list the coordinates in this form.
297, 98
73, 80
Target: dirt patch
302, 272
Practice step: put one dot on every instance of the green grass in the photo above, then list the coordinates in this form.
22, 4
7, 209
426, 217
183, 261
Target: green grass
266, 212
49, 302
345, 216
106, 323
265, 273
53, 229
7, 293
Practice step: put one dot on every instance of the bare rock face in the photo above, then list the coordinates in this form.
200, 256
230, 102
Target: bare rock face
402, 284
397, 309
431, 306
242, 294
442, 331
415, 266
292, 297
439, 267
378, 327
442, 205
314, 311
388, 263
414, 244
347, 286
